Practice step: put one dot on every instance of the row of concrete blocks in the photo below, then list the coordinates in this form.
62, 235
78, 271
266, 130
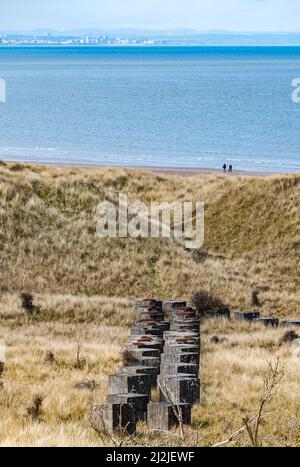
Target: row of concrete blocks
257, 318
176, 307
253, 316
179, 384
129, 391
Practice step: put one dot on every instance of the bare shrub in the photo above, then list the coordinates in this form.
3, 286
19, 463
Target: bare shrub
271, 381
49, 357
27, 303
254, 298
205, 302
119, 439
200, 256
1, 374
252, 425
34, 411
80, 363
288, 337
218, 340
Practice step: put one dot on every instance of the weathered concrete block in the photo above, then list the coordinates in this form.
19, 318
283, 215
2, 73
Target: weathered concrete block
179, 368
182, 357
145, 361
149, 324
138, 353
246, 315
182, 314
171, 335
149, 304
135, 344
112, 418
128, 383
145, 324
291, 322
154, 332
185, 326
225, 314
181, 348
168, 306
129, 359
138, 401
147, 330
146, 342
273, 322
163, 416
146, 302
141, 370
154, 316
143, 338
185, 341
177, 389
185, 320
163, 327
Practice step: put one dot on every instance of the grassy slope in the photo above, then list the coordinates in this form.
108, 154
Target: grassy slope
48, 246
48, 242
232, 375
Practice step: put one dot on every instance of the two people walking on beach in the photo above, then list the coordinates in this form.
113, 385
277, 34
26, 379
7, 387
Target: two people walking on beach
230, 169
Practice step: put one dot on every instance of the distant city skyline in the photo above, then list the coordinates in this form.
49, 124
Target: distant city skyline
199, 15
146, 38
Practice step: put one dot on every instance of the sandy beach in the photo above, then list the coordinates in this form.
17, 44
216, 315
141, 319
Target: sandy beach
188, 172
176, 171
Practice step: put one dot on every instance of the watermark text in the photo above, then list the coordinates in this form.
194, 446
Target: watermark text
177, 220
296, 92
2, 91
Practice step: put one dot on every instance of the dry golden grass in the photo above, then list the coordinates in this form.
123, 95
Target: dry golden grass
231, 375
81, 286
101, 326
48, 242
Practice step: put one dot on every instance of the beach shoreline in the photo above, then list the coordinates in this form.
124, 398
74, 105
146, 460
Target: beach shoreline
176, 171
193, 171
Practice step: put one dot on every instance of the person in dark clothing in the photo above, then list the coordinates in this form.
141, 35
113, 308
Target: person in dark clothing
230, 169
224, 167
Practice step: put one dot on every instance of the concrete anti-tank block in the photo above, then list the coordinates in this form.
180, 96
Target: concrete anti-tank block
178, 389
164, 416
139, 403
112, 418
128, 383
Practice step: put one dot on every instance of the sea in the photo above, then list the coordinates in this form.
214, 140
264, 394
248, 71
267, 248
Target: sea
168, 107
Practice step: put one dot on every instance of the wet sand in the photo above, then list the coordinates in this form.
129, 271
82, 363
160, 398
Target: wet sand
177, 171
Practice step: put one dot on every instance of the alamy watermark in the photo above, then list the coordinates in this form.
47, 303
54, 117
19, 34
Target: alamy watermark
177, 220
2, 90
296, 92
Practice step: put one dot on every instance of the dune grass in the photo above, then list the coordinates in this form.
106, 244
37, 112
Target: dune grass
84, 289
48, 239
232, 375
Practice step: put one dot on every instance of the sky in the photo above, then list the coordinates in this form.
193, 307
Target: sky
202, 15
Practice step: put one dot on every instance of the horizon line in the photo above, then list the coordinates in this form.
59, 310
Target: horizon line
184, 31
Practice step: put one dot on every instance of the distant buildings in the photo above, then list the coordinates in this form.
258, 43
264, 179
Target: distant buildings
50, 39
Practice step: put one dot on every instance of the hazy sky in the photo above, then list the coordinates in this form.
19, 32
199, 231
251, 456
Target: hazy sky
237, 15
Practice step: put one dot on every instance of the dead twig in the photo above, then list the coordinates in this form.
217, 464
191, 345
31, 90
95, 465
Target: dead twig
271, 381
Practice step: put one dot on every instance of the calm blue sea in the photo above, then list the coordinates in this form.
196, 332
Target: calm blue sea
153, 106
